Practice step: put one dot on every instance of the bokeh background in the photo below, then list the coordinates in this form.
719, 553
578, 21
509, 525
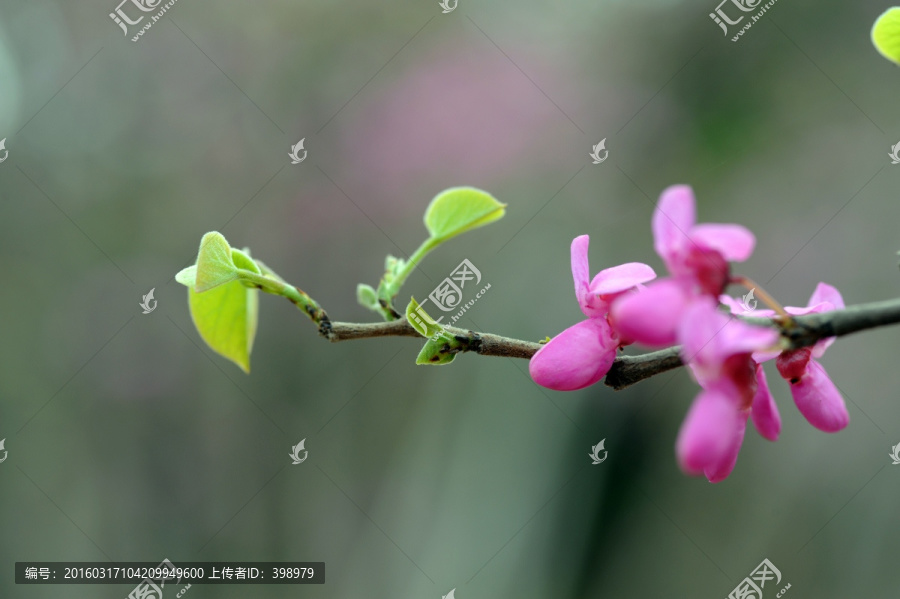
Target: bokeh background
129, 440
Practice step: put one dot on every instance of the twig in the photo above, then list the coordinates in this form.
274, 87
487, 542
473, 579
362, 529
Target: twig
484, 344
801, 331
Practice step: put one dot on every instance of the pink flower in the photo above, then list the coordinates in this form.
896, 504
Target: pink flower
718, 350
817, 398
582, 354
815, 395
697, 258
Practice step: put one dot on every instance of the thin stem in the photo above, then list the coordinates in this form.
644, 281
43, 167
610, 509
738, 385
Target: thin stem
767, 299
391, 283
485, 344
410, 266
272, 283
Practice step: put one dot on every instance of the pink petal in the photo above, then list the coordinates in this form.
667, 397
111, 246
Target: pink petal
824, 299
765, 355
672, 221
698, 330
621, 278
764, 412
707, 433
576, 358
709, 337
819, 400
818, 350
816, 308
804, 310
734, 242
739, 337
650, 316
581, 271
826, 293
735, 306
721, 470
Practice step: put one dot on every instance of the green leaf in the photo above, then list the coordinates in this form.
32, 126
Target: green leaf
245, 265
225, 312
434, 354
187, 276
421, 321
366, 296
461, 209
242, 259
393, 265
886, 34
215, 265
438, 350
226, 318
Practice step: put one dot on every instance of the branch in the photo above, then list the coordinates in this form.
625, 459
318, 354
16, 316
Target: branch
814, 327
485, 344
800, 331
628, 370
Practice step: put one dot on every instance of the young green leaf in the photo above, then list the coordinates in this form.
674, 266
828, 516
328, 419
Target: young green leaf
187, 276
886, 34
421, 321
215, 265
461, 209
366, 296
224, 310
242, 259
433, 353
226, 318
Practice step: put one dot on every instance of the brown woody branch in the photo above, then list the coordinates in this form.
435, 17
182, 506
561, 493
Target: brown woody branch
801, 331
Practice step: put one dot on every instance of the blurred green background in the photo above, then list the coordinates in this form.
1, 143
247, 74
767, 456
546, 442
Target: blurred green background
129, 440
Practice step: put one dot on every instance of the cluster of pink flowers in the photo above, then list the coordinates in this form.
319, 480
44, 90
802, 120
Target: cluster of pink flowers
725, 354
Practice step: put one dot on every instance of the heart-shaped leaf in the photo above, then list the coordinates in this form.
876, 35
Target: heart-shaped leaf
461, 209
226, 318
886, 34
225, 311
241, 260
215, 265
